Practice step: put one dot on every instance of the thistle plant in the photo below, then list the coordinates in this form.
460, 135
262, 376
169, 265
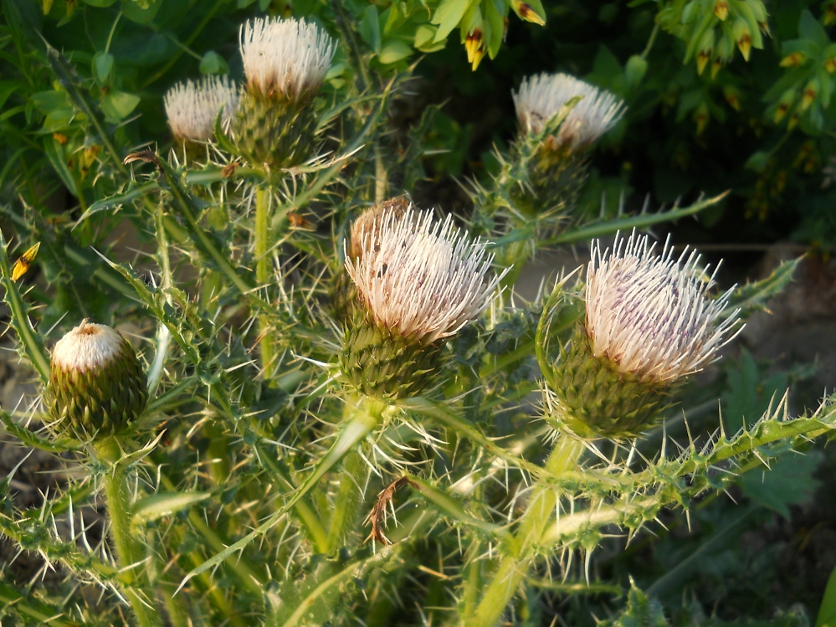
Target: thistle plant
331, 417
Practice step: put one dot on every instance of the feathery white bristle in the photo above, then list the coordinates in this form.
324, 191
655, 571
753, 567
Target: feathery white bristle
192, 107
422, 277
286, 56
651, 315
87, 346
541, 97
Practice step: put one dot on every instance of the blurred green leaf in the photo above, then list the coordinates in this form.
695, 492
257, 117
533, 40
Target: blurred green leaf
102, 66
447, 16
789, 481
393, 51
810, 28
213, 63
641, 611
827, 609
370, 28
118, 105
141, 13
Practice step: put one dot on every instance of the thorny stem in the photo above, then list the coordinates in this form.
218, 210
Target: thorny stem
515, 565
129, 550
163, 334
263, 203
381, 179
349, 499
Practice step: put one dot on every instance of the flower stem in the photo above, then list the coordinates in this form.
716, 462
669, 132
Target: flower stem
349, 499
516, 563
263, 271
129, 550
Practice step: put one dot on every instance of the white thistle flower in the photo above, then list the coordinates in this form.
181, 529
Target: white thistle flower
421, 277
541, 97
86, 347
651, 315
192, 107
286, 56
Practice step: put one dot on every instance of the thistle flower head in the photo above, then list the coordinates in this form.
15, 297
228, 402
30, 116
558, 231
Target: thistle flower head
96, 383
541, 97
650, 315
285, 57
420, 277
192, 107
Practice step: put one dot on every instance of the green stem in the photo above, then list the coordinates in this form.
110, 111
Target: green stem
128, 549
381, 178
650, 41
263, 270
304, 511
515, 565
349, 499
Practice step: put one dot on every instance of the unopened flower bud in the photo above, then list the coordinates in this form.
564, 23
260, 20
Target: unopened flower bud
759, 13
649, 324
96, 383
285, 62
525, 12
723, 52
742, 36
732, 96
784, 104
810, 93
419, 281
793, 59
829, 16
705, 49
474, 44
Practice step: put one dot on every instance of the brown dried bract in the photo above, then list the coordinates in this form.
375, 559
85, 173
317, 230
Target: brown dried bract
377, 517
229, 169
145, 155
369, 221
